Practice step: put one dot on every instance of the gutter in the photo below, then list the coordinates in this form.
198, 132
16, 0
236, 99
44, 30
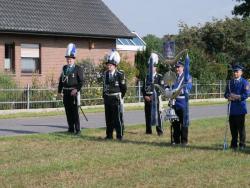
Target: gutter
78, 35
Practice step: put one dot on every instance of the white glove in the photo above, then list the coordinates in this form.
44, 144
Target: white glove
234, 96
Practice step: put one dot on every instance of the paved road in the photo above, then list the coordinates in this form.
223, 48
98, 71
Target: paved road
21, 126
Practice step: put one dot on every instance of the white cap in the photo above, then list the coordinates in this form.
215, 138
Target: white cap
114, 58
154, 58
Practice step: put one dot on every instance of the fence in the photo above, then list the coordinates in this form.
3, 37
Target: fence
27, 98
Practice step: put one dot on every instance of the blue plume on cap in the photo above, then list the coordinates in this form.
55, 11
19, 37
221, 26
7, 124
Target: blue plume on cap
71, 50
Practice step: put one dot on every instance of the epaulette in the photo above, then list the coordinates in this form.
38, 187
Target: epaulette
120, 72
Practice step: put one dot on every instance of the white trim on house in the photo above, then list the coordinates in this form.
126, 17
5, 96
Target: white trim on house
124, 46
130, 48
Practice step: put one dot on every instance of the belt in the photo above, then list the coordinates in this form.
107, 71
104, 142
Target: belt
149, 93
112, 94
68, 88
180, 97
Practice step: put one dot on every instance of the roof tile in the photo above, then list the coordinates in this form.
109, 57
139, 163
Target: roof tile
61, 17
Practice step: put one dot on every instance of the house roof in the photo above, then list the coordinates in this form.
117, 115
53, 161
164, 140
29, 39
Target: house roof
82, 18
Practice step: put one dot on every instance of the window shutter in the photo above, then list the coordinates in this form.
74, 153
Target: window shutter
30, 50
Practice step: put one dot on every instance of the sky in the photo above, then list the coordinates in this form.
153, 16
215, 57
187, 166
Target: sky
161, 17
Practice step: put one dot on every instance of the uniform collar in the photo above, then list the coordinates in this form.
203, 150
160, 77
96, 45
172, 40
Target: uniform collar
112, 72
237, 78
71, 66
179, 75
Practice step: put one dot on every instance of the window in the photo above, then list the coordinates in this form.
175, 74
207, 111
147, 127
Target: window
9, 63
126, 41
30, 58
138, 41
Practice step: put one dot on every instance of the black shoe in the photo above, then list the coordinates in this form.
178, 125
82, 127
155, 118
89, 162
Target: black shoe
160, 134
234, 148
70, 131
120, 138
147, 132
108, 138
242, 148
184, 144
78, 133
175, 143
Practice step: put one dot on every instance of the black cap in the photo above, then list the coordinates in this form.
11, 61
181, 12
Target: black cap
179, 63
237, 67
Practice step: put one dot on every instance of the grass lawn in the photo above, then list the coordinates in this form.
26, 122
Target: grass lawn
64, 160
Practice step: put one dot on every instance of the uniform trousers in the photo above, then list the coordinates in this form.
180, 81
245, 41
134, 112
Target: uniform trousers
113, 116
237, 127
180, 134
147, 110
71, 109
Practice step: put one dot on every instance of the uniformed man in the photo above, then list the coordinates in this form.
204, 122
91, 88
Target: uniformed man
152, 97
180, 127
70, 84
237, 91
114, 89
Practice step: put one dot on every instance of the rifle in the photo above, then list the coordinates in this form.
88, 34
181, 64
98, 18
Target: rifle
79, 105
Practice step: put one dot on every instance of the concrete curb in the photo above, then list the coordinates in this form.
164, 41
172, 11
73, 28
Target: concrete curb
14, 111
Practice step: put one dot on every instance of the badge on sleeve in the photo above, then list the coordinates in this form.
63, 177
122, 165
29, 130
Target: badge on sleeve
247, 87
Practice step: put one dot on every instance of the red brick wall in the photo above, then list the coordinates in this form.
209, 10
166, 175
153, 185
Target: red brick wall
129, 56
52, 54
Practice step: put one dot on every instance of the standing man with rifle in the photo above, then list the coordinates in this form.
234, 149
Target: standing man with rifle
70, 84
181, 103
152, 97
114, 89
237, 91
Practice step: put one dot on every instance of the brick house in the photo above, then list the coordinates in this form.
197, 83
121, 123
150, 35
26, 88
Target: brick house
34, 35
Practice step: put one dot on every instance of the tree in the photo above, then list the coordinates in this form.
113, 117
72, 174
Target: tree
90, 73
223, 42
141, 62
154, 43
243, 9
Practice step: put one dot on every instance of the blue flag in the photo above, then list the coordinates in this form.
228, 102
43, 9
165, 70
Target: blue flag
187, 88
150, 84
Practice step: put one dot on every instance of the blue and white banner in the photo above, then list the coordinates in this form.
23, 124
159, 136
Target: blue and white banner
169, 49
